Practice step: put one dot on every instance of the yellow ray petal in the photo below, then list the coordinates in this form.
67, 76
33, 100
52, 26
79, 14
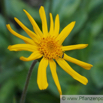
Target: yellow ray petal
41, 76
51, 24
21, 47
78, 62
73, 47
54, 75
44, 21
57, 25
65, 66
65, 32
29, 32
35, 55
34, 24
25, 39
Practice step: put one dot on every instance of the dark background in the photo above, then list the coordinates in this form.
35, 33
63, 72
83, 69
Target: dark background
88, 15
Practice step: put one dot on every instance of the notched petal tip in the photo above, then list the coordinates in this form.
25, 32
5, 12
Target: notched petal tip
41, 7
82, 80
44, 20
50, 14
63, 64
23, 58
24, 10
15, 18
89, 67
86, 81
74, 22
43, 88
9, 47
7, 25
85, 45
57, 15
84, 65
65, 32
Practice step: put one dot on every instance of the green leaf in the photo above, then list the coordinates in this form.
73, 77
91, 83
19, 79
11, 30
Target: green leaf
96, 10
97, 74
3, 41
5, 75
73, 89
2, 25
15, 9
93, 4
6, 92
97, 26
69, 6
21, 79
42, 97
97, 51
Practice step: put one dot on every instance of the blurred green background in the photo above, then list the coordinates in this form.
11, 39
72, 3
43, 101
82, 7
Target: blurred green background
88, 15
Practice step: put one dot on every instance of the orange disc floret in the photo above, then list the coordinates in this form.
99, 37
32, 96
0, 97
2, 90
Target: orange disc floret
50, 48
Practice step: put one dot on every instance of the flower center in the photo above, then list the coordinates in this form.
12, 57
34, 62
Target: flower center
50, 48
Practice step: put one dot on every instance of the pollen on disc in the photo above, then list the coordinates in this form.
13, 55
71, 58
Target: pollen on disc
50, 48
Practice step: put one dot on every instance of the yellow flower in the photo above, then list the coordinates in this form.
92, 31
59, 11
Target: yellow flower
48, 45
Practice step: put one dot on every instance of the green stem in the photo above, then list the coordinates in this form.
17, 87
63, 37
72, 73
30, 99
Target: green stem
27, 82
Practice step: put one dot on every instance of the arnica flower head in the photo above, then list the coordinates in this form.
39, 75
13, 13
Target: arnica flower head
47, 45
